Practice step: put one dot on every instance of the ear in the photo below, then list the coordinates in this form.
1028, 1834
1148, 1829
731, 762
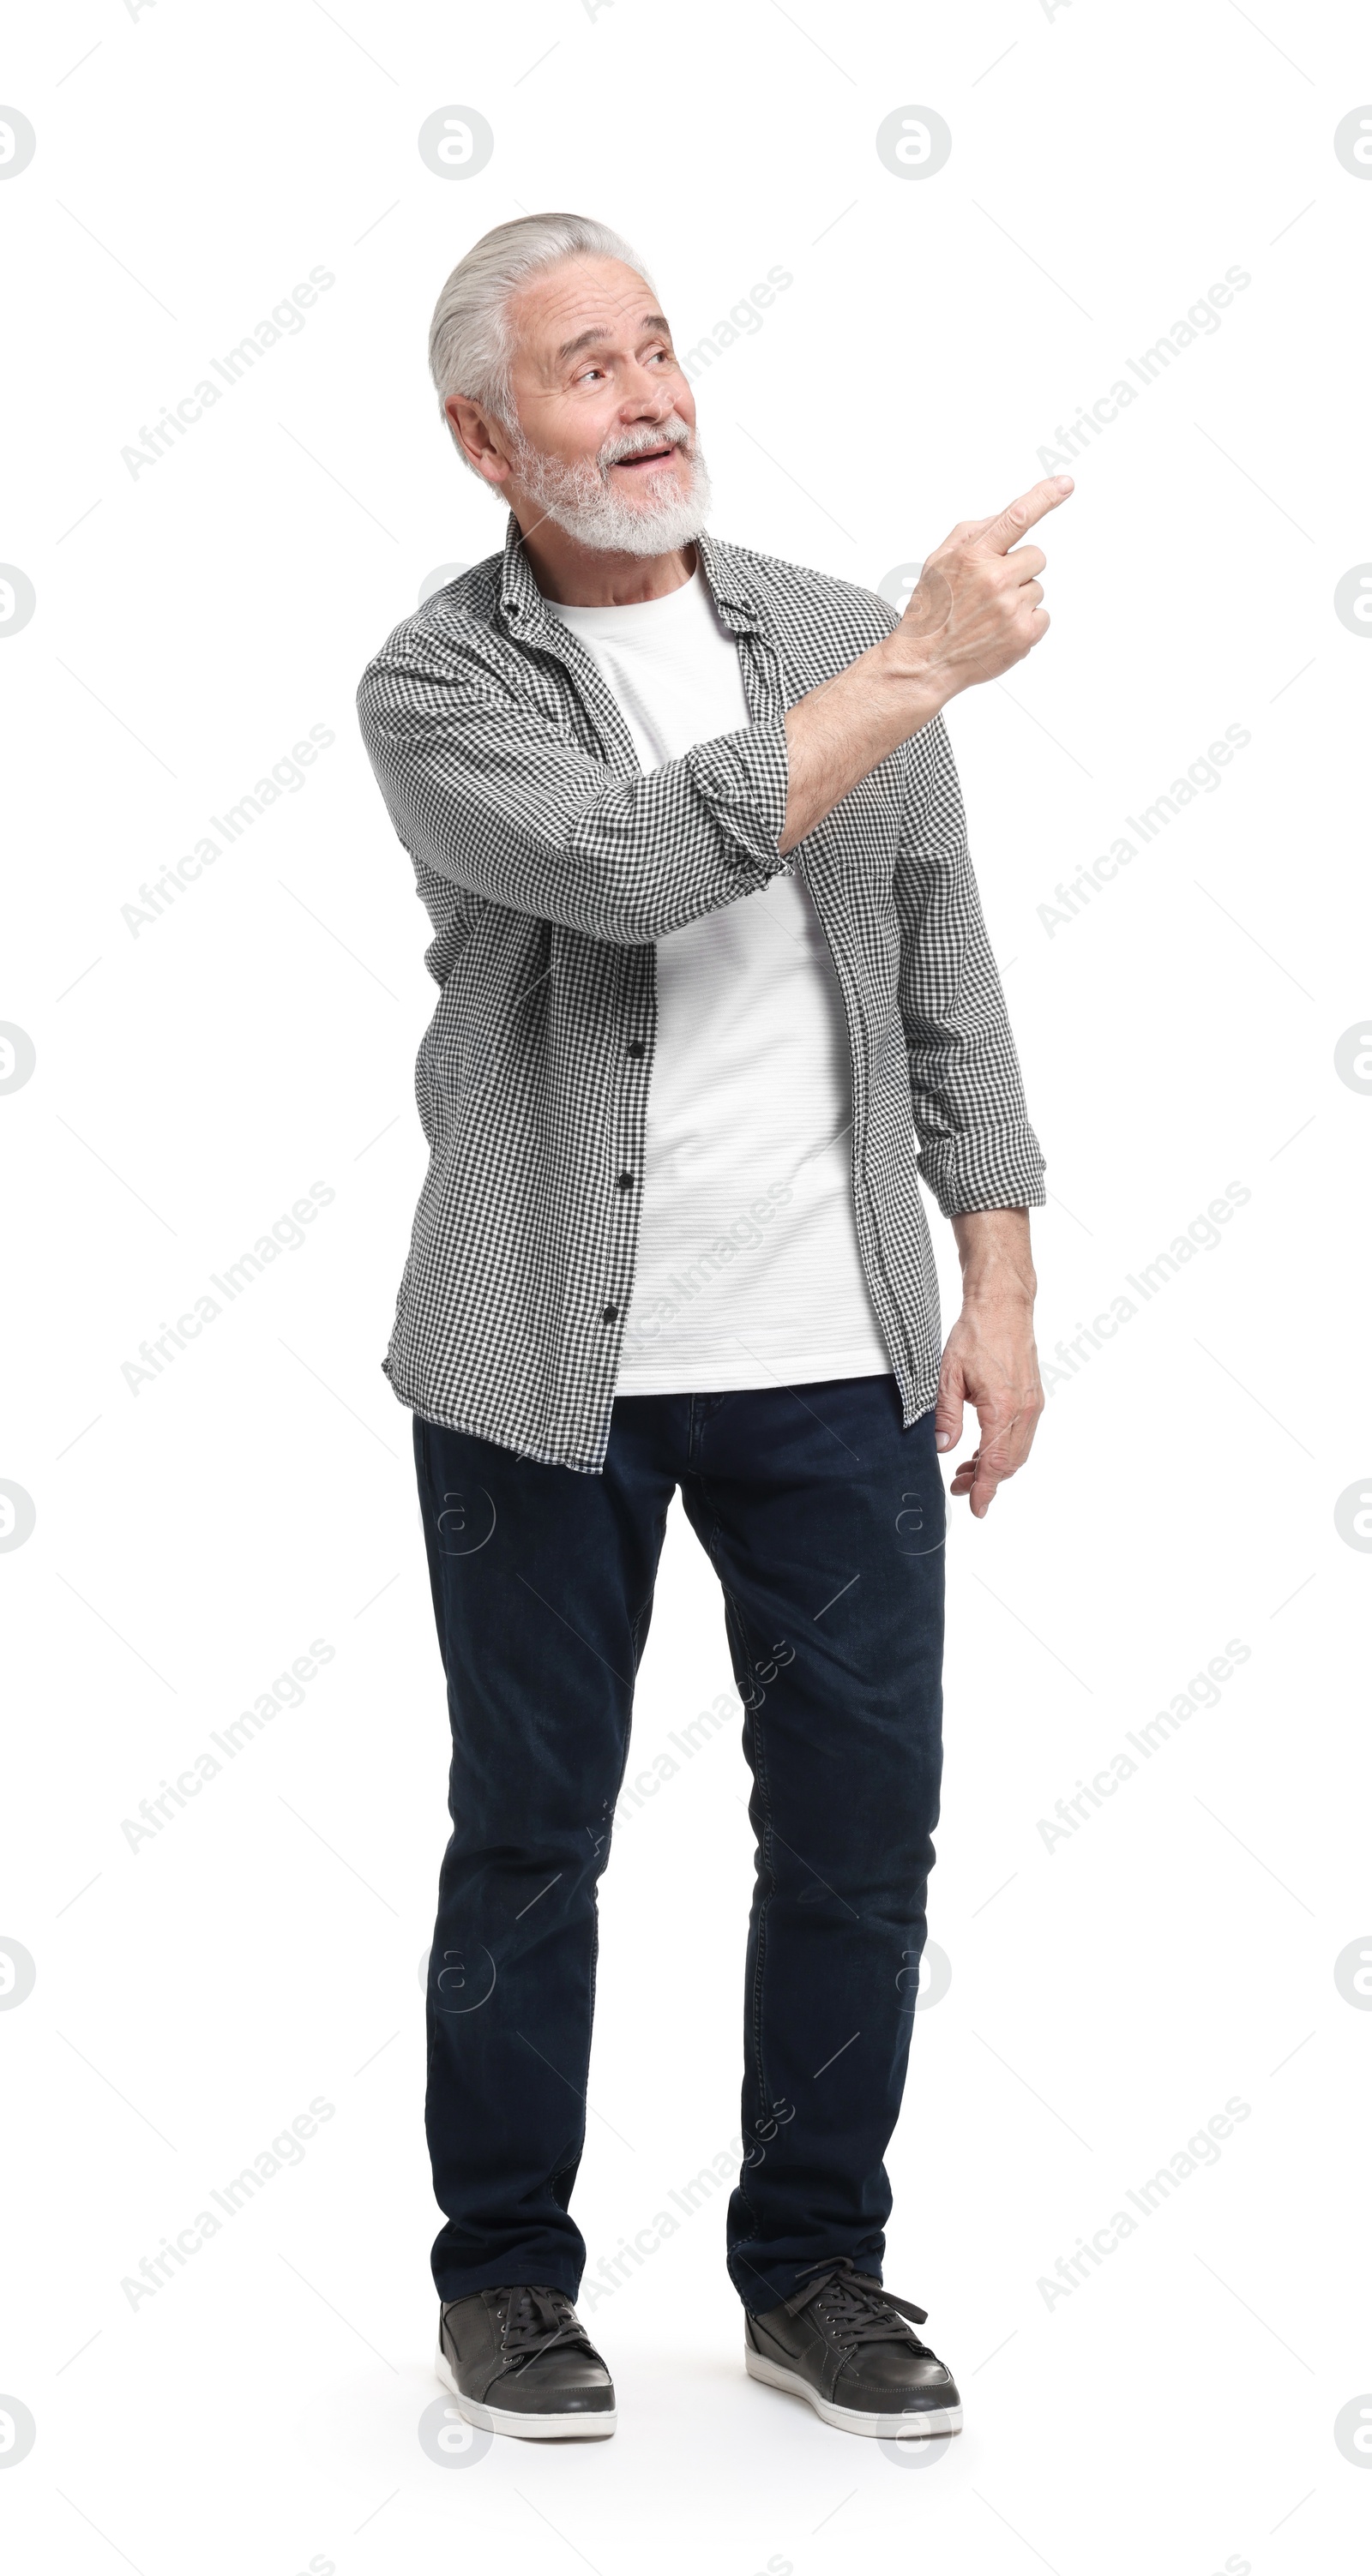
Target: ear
479, 438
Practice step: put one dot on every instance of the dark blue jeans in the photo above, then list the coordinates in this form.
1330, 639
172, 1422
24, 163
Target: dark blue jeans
824, 1520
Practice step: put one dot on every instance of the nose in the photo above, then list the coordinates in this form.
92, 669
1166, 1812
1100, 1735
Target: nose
650, 402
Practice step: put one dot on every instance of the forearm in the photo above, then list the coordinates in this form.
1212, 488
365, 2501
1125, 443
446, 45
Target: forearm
997, 1262
842, 729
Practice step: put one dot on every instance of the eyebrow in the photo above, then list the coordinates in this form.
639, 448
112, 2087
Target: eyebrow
592, 339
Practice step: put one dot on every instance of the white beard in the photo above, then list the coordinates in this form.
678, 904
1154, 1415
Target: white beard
582, 500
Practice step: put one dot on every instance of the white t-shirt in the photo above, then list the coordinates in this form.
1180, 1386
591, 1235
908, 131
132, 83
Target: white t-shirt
748, 1271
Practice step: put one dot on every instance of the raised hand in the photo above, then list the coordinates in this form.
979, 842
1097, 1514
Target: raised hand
977, 607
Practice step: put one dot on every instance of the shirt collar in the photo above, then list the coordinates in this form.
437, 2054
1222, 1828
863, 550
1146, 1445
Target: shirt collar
525, 608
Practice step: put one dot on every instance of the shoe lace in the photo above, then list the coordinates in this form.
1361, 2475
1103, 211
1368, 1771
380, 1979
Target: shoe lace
855, 2309
532, 2321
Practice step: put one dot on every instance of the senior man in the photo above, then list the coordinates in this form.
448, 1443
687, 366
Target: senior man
714, 991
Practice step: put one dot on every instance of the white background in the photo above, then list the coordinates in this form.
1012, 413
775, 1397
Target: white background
192, 1538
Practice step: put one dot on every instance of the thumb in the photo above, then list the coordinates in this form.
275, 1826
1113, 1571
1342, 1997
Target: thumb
948, 1410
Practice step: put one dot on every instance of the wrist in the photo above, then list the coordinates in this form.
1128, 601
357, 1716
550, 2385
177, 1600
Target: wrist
909, 665
996, 1257
999, 1288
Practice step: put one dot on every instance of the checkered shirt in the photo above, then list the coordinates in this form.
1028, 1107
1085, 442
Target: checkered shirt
549, 863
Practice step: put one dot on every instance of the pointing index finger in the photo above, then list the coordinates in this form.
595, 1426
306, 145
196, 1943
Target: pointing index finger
1000, 534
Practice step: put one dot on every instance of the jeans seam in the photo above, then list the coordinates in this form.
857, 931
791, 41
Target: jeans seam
762, 1781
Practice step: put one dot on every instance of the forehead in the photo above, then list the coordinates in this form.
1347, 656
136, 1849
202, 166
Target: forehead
599, 297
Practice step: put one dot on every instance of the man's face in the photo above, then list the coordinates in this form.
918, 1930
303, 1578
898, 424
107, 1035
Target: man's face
605, 442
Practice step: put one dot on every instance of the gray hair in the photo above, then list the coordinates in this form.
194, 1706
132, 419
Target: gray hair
471, 344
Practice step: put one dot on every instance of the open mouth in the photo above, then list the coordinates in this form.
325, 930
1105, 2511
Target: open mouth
647, 456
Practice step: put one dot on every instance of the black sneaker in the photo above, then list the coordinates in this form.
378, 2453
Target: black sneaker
842, 2344
521, 2361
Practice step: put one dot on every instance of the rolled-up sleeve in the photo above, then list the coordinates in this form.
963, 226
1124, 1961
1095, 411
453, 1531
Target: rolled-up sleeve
977, 1148
494, 797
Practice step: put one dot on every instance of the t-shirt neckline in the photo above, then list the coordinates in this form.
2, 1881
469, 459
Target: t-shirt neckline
602, 619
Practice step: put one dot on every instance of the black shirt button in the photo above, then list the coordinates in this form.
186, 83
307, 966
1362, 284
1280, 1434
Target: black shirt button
635, 1047
609, 1314
625, 1181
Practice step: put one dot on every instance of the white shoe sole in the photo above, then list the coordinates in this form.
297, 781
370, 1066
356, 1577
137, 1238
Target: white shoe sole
528, 2428
848, 2419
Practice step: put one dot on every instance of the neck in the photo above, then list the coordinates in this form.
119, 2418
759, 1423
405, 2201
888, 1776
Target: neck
578, 576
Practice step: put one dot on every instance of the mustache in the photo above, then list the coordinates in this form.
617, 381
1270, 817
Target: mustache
636, 442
